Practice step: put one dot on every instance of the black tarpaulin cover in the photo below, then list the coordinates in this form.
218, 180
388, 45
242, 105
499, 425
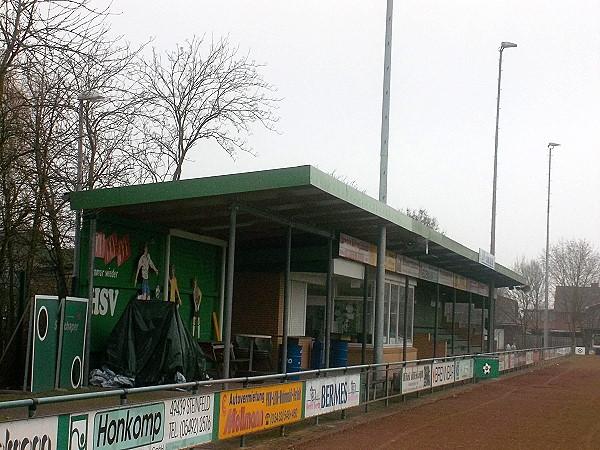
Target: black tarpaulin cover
151, 344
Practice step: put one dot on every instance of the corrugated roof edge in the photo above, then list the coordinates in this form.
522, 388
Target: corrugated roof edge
191, 188
354, 196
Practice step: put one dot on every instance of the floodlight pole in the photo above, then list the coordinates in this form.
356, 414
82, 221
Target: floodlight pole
551, 145
495, 180
492, 287
383, 168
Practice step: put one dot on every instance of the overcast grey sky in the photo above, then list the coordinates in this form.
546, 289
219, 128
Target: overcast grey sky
326, 59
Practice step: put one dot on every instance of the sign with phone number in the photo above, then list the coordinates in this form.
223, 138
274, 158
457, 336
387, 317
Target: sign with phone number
246, 410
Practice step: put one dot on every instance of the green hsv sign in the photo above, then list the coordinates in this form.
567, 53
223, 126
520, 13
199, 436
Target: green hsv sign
487, 368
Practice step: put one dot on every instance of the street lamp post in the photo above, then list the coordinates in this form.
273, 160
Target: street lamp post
551, 145
88, 96
492, 289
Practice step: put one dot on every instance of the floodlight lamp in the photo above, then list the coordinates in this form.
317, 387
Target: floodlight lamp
91, 96
552, 144
507, 45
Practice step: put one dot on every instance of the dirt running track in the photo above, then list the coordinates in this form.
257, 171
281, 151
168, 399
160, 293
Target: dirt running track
556, 406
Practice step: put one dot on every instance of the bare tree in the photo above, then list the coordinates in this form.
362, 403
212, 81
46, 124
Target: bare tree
574, 265
52, 51
423, 216
529, 299
194, 94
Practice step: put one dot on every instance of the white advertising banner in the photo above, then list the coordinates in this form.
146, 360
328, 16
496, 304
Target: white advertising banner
172, 424
324, 395
29, 434
529, 357
580, 350
416, 378
446, 278
511, 361
442, 373
484, 290
502, 362
428, 272
188, 420
356, 250
408, 266
472, 286
463, 369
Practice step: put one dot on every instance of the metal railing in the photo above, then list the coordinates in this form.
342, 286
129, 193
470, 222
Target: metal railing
378, 382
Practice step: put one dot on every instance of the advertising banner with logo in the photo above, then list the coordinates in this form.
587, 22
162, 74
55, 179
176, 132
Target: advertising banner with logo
44, 342
324, 395
130, 427
169, 425
463, 369
487, 368
511, 361
73, 343
246, 410
117, 251
442, 373
529, 357
416, 378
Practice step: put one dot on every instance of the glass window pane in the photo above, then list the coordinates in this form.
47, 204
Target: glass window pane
410, 313
386, 313
394, 297
348, 310
401, 315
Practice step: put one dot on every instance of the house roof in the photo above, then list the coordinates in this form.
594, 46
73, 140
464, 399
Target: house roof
269, 201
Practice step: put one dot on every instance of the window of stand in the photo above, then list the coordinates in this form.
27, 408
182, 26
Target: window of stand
348, 311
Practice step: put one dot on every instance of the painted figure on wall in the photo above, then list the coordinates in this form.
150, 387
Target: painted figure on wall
173, 288
144, 265
197, 297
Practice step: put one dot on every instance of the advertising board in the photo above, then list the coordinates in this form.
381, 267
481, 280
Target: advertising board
442, 373
246, 410
73, 343
44, 342
168, 425
325, 395
416, 378
463, 369
22, 434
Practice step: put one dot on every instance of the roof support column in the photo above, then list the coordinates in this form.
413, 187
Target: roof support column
363, 347
286, 300
453, 319
329, 302
88, 317
491, 308
436, 319
482, 322
405, 325
229, 290
469, 324
379, 299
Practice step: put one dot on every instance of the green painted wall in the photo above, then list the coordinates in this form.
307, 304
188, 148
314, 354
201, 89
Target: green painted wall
193, 259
